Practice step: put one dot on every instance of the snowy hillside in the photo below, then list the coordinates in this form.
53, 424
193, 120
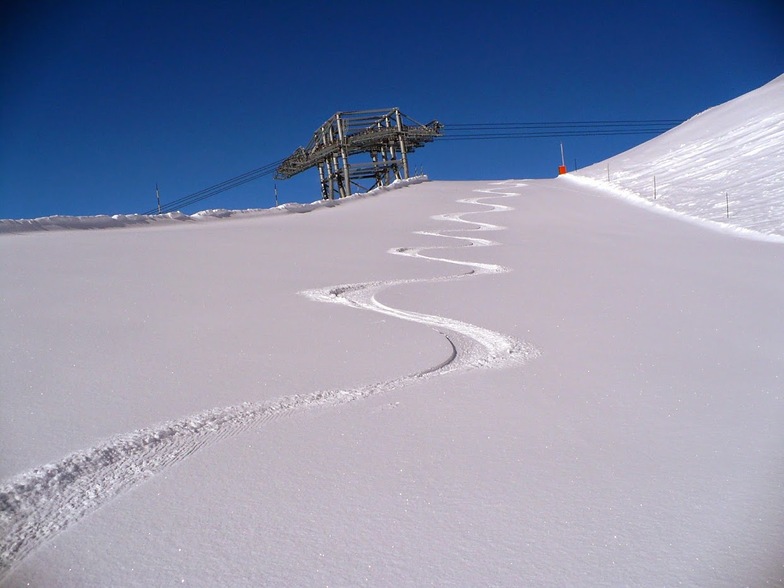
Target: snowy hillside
511, 383
733, 152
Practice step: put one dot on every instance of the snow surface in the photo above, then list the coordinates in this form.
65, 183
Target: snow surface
60, 222
728, 157
460, 383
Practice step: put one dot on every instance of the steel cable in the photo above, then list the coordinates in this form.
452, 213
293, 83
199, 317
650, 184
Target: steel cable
478, 131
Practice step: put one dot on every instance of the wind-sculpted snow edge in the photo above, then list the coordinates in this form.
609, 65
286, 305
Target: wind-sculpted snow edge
37, 505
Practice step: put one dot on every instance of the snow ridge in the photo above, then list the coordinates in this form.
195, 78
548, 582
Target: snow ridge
102, 221
37, 505
724, 165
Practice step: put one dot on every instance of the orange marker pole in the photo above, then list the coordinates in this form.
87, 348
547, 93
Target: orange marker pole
562, 167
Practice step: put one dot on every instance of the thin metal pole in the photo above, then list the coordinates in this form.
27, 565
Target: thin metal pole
334, 176
330, 177
345, 188
403, 153
322, 181
158, 196
376, 173
654, 187
392, 154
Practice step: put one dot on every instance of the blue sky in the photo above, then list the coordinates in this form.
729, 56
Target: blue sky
101, 100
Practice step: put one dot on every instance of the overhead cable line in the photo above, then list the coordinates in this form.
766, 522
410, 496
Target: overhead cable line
540, 134
205, 193
477, 131
526, 130
581, 123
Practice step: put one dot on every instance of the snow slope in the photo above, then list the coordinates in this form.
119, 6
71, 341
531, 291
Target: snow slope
460, 383
60, 222
733, 152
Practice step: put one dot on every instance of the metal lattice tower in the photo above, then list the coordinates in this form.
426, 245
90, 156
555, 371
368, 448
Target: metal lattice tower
387, 135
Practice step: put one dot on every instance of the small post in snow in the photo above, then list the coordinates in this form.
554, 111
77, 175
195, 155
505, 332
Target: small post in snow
608, 172
276, 194
727, 198
562, 168
654, 187
158, 197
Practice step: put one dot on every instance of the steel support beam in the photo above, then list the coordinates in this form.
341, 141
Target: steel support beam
379, 133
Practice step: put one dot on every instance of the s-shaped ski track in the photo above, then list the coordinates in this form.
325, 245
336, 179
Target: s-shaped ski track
37, 505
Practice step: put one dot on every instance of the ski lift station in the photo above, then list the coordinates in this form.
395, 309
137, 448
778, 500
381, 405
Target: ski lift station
387, 135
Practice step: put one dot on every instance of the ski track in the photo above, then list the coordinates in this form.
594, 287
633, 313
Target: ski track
37, 505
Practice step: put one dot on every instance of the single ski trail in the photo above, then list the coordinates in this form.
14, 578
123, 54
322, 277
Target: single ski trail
38, 504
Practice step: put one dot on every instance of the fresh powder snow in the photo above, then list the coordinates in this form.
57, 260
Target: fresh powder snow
520, 382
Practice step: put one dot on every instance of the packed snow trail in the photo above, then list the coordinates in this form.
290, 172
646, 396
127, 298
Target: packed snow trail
37, 505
